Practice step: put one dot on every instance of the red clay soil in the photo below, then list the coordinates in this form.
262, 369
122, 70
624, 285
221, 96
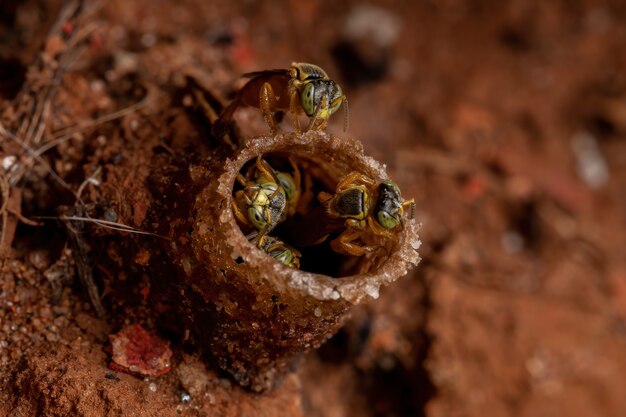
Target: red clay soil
506, 121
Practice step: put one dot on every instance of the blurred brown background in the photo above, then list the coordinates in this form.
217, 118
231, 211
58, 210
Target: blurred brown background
506, 121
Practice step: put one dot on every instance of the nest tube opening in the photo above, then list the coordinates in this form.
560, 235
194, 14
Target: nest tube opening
256, 314
307, 228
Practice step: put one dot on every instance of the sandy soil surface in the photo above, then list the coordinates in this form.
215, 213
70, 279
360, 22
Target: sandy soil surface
506, 121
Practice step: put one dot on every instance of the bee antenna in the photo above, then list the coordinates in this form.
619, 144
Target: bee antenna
322, 104
345, 114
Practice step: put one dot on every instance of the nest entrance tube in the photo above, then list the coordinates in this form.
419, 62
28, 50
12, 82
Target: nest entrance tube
254, 313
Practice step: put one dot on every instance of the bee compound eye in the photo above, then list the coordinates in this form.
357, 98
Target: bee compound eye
283, 257
307, 98
288, 185
386, 220
256, 217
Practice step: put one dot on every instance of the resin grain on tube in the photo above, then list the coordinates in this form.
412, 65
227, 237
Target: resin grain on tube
253, 314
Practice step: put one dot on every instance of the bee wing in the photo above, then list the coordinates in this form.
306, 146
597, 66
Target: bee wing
278, 80
265, 73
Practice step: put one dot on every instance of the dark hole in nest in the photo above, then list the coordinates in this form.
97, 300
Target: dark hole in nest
306, 229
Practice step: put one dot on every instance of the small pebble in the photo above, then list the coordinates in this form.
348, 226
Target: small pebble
185, 398
591, 164
512, 242
148, 39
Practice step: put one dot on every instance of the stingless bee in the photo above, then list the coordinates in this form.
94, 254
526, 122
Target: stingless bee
301, 88
280, 251
261, 171
368, 208
267, 197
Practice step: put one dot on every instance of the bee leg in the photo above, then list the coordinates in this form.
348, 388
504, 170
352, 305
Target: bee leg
293, 109
221, 126
343, 244
241, 180
377, 228
411, 204
258, 239
266, 170
341, 99
356, 224
322, 125
316, 116
323, 196
354, 178
237, 211
267, 103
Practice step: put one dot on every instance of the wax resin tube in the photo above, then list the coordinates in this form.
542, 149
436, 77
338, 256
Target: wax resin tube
252, 313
